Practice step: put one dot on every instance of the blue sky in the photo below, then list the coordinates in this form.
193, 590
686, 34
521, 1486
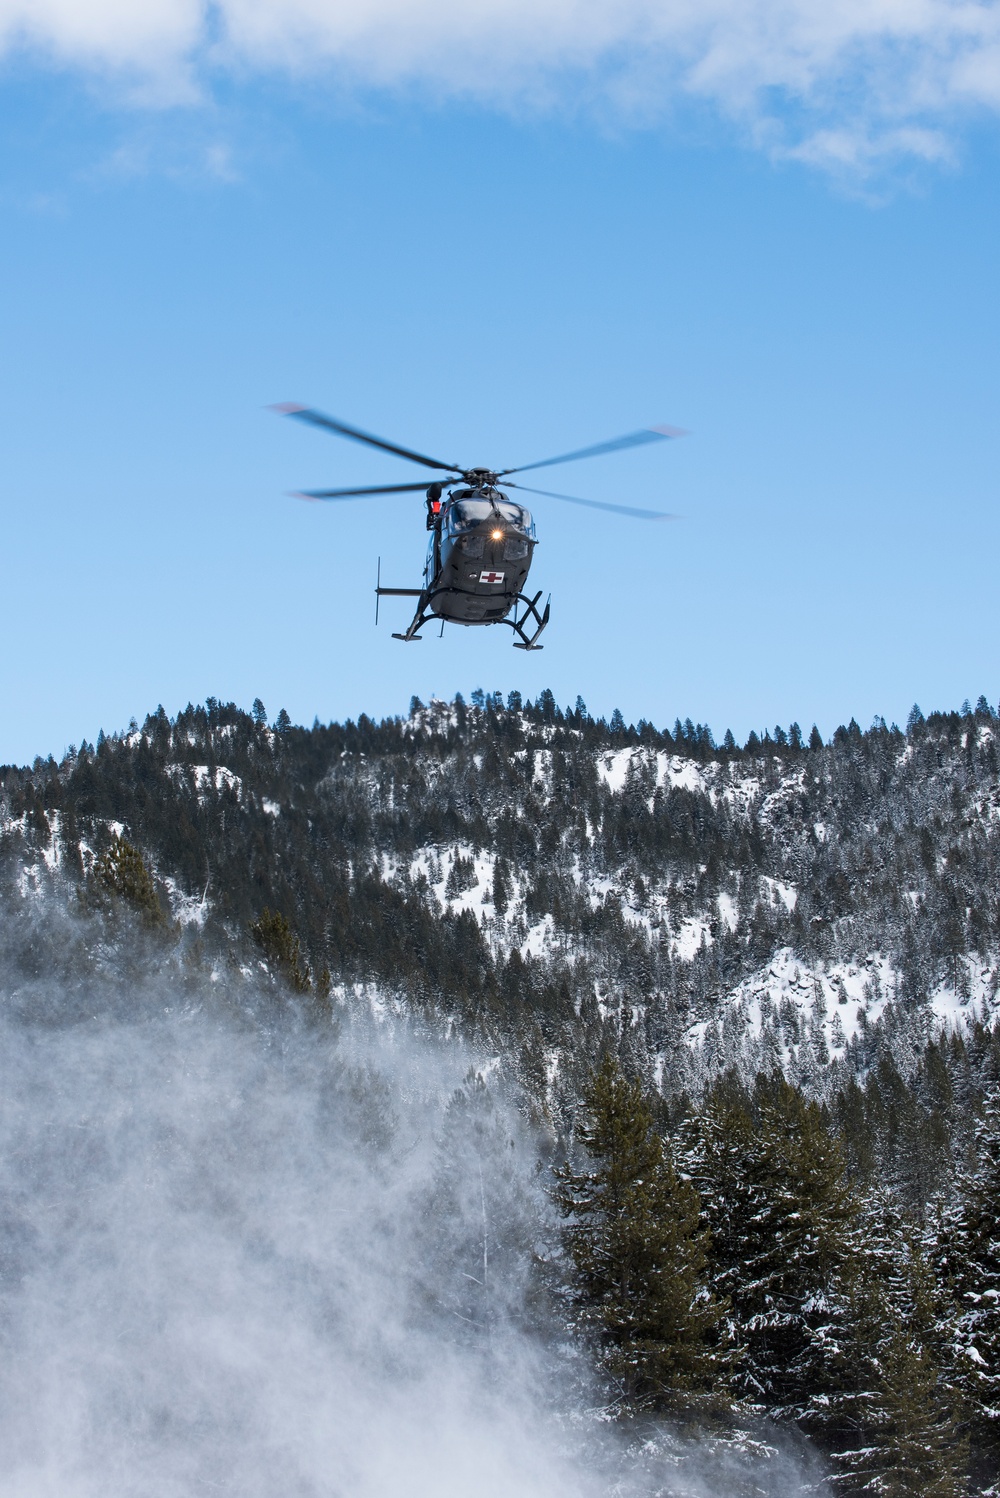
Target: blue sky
801, 270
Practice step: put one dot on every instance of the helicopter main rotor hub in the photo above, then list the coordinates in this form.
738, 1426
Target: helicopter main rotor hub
481, 478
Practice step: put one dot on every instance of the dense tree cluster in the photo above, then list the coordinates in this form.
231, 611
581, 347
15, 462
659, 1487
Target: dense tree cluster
732, 1261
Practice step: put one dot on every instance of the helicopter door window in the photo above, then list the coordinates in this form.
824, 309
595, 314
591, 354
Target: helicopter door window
516, 516
466, 513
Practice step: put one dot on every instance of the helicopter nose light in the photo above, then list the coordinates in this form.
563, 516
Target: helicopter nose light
497, 535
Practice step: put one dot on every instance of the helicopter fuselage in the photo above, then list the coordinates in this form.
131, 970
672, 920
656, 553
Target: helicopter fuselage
478, 556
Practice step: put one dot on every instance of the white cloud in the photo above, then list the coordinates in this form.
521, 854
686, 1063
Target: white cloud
147, 35
844, 83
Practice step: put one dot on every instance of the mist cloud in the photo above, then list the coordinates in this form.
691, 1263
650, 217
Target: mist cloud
212, 1281
843, 84
242, 1253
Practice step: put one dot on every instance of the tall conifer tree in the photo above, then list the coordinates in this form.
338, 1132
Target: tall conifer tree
969, 1263
900, 1415
638, 1255
776, 1201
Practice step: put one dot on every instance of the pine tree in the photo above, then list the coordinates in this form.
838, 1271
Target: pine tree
638, 1255
122, 870
461, 876
913, 1447
274, 935
775, 1198
968, 1258
901, 1416
501, 886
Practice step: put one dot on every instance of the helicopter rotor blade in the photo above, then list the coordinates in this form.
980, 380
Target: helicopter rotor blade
598, 504
631, 439
315, 494
317, 419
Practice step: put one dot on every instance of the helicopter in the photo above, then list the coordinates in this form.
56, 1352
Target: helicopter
481, 541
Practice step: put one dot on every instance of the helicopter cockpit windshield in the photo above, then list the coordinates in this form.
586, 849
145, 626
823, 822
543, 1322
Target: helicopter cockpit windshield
464, 514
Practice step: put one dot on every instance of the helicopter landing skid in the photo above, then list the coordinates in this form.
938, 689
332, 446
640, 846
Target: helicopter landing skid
527, 642
422, 616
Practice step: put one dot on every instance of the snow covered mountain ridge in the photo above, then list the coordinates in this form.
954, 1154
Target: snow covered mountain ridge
811, 906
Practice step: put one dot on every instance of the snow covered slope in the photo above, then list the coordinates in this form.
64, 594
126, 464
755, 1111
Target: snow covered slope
556, 879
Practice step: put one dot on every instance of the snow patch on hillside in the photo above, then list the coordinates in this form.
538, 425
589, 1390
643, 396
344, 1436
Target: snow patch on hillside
793, 1016
435, 865
694, 932
205, 778
186, 910
738, 786
975, 996
52, 855
670, 771
800, 1017
780, 892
